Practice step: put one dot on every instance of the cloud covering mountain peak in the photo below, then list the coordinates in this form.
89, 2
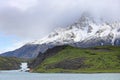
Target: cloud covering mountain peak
36, 18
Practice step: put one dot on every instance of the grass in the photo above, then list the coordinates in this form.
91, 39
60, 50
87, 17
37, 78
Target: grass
9, 63
96, 59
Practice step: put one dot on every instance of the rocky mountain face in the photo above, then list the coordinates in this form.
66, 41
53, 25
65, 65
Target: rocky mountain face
86, 32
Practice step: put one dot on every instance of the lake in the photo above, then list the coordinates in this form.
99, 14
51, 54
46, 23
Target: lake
15, 75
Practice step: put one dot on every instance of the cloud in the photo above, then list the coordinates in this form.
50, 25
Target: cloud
33, 19
23, 4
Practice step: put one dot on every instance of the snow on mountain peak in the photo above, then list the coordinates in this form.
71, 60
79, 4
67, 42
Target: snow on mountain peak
86, 28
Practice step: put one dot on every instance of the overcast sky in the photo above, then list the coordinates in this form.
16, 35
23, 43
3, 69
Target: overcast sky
24, 20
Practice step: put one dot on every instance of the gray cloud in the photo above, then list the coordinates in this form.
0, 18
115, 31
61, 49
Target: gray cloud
36, 19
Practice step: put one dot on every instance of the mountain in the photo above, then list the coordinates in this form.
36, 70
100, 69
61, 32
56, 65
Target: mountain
86, 32
71, 59
27, 51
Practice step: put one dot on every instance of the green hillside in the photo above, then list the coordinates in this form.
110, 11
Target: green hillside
70, 59
9, 63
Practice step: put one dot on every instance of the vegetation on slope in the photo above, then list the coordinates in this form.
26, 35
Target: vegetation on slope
70, 59
7, 63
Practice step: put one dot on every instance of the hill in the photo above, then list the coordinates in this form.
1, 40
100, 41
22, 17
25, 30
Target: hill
70, 59
9, 63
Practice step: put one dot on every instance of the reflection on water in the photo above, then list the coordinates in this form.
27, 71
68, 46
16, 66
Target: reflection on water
11, 75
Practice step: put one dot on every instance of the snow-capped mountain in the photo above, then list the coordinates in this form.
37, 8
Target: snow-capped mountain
83, 31
86, 32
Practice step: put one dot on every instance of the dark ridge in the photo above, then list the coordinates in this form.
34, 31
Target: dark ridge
42, 56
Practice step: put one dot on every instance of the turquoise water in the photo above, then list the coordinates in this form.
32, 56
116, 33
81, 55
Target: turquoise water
4, 75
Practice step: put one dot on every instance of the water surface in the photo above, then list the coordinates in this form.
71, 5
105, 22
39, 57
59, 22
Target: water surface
14, 75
